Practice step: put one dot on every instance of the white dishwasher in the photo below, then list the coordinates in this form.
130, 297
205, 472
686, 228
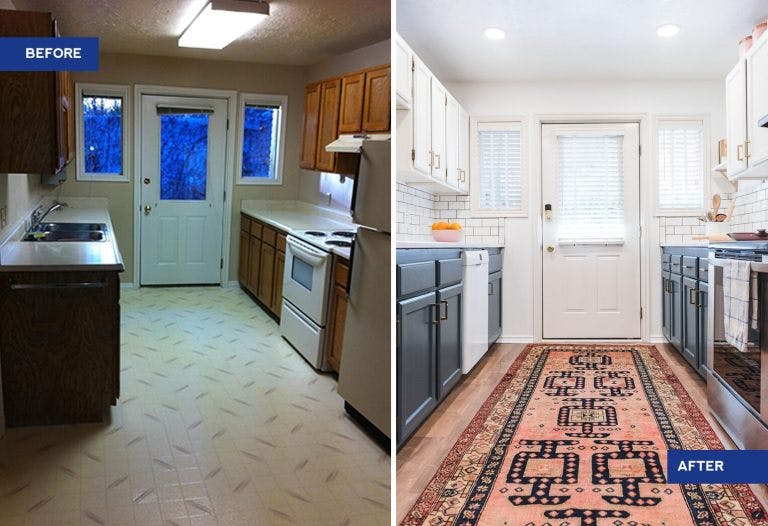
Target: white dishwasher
474, 312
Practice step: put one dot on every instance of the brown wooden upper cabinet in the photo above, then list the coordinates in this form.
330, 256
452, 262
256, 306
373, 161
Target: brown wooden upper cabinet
351, 114
330, 96
376, 102
357, 102
38, 103
309, 130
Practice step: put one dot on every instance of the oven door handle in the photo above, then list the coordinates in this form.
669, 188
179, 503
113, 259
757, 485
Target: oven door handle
310, 255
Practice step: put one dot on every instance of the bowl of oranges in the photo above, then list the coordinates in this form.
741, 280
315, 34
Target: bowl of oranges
447, 232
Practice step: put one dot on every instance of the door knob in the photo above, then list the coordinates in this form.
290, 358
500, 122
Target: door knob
147, 210
550, 248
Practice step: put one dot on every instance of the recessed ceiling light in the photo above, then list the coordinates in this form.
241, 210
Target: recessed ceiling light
223, 21
667, 30
494, 33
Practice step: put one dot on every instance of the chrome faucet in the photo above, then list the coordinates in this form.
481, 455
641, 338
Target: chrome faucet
37, 216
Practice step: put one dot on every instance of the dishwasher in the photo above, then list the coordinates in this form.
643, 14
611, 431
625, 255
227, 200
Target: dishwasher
474, 314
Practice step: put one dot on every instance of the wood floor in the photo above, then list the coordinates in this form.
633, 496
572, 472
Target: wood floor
420, 457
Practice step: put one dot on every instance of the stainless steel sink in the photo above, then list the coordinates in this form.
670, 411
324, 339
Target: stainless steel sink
67, 232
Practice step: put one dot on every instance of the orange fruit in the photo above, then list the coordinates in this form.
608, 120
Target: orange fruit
440, 225
454, 226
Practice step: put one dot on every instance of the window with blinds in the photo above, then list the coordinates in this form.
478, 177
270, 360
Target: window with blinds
681, 163
591, 188
499, 165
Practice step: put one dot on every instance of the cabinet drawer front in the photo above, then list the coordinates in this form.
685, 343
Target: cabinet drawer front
281, 242
704, 270
676, 264
269, 235
690, 266
415, 277
256, 228
665, 262
494, 263
448, 271
341, 272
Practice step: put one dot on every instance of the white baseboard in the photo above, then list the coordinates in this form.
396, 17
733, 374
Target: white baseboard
515, 338
231, 284
129, 285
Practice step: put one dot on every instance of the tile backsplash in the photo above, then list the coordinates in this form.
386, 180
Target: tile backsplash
751, 212
418, 209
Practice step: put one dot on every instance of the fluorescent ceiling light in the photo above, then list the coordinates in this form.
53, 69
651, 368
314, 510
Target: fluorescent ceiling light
223, 21
494, 33
667, 30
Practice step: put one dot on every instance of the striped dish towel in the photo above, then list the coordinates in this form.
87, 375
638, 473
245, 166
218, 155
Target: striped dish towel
739, 302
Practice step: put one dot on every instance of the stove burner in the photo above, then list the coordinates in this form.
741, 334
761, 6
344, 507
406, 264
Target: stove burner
337, 243
343, 234
315, 233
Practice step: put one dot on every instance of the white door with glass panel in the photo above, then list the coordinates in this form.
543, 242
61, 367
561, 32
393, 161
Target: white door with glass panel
183, 151
591, 231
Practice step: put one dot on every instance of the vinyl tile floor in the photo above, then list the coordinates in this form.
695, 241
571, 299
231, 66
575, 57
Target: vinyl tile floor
219, 422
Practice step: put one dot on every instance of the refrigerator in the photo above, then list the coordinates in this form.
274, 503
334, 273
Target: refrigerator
364, 372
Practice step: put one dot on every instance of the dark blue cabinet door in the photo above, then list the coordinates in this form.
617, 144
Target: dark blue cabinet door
701, 362
676, 311
449, 339
690, 335
494, 308
416, 363
666, 305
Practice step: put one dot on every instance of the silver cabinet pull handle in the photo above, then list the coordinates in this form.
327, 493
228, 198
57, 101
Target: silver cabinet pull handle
443, 318
436, 318
692, 296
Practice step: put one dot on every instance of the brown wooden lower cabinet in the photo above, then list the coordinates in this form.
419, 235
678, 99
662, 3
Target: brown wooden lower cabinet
338, 313
59, 346
261, 262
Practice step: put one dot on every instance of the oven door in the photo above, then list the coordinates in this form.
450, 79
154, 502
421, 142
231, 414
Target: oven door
306, 278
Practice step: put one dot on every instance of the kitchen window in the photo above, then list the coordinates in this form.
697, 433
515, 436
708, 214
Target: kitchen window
681, 165
498, 186
261, 139
102, 132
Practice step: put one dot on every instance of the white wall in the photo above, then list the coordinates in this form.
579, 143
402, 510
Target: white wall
530, 99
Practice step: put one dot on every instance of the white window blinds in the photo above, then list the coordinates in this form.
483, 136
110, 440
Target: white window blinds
499, 166
681, 165
591, 188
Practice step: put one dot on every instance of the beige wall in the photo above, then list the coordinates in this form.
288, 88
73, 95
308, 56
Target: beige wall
314, 189
165, 71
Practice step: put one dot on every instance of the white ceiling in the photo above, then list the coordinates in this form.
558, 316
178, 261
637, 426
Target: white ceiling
577, 39
297, 32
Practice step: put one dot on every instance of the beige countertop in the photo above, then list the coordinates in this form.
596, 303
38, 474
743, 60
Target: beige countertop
28, 256
295, 216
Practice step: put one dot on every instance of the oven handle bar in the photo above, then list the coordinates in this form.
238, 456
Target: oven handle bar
310, 255
755, 265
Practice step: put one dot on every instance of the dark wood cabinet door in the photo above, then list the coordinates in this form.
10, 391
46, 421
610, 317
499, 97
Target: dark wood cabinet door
254, 265
310, 126
416, 363
64, 119
60, 339
242, 265
448, 339
690, 322
377, 100
351, 112
267, 275
277, 295
338, 319
329, 124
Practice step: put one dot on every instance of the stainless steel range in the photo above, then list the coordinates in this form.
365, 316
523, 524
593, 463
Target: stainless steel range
737, 382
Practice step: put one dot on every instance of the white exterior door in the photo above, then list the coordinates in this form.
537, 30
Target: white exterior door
183, 157
591, 241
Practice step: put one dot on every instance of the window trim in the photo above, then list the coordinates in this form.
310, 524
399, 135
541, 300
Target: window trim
657, 122
474, 172
257, 98
102, 90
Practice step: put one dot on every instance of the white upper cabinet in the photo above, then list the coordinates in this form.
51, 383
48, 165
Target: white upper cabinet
404, 77
746, 100
757, 105
432, 129
736, 118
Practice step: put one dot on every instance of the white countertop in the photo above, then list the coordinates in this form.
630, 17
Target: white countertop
295, 216
438, 244
26, 256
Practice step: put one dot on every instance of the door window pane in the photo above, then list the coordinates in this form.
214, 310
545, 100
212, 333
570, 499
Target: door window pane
183, 156
103, 134
260, 126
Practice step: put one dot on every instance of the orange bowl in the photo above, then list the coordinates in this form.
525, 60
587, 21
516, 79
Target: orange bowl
447, 236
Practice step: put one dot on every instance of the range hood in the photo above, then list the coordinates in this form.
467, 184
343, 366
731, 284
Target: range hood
353, 143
